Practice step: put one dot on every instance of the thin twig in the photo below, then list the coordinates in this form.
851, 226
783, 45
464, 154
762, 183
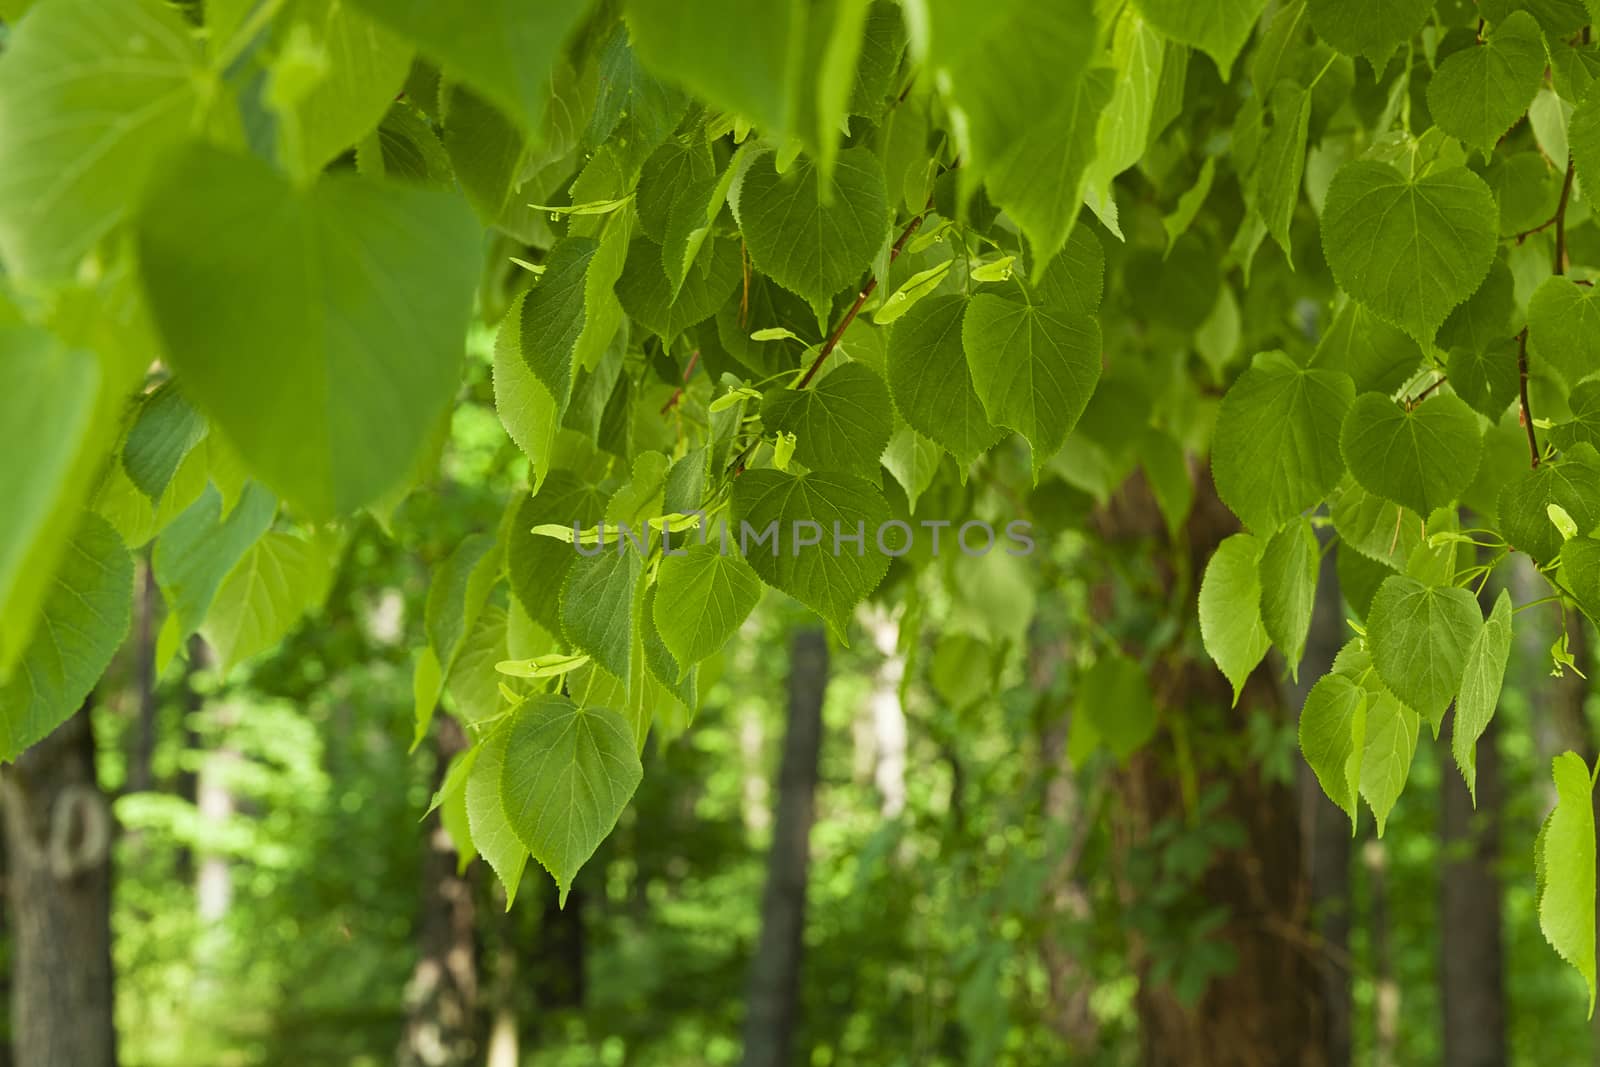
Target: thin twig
861, 298
1527, 413
1561, 219
1420, 397
677, 394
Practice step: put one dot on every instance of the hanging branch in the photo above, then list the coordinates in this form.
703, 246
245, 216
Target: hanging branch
861, 298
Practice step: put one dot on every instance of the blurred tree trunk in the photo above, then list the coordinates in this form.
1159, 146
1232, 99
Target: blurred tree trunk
1386, 998
560, 955
58, 877
773, 999
1470, 954
1270, 1009
888, 717
441, 996
140, 776
1323, 826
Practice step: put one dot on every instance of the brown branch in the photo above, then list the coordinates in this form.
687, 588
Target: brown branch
1420, 397
677, 394
1527, 413
861, 298
1561, 219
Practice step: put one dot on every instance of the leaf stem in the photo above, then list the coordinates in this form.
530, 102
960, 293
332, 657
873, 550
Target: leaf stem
861, 298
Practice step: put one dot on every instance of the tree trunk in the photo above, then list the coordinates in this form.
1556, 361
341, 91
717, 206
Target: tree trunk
140, 776
1323, 826
1470, 954
1270, 1008
887, 715
774, 987
443, 988
58, 876
1386, 998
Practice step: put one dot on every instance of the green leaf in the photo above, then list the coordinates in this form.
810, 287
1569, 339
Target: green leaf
1114, 694
278, 581
932, 383
552, 317
597, 605
58, 411
199, 550
647, 293
912, 460
1378, 357
703, 596
1230, 609
526, 409
163, 433
492, 832
1419, 636
1289, 588
364, 67
1410, 248
737, 56
1572, 483
458, 593
320, 329
1480, 91
1564, 858
1274, 182
1371, 28
1584, 426
567, 774
1034, 366
1423, 459
1219, 28
406, 148
537, 566
1485, 378
811, 243
85, 616
1392, 730
838, 423
93, 94
1041, 181
1376, 528
506, 50
1480, 689
1333, 738
1004, 65
1564, 328
829, 578
1276, 448
1123, 133
1583, 134
1484, 321
634, 112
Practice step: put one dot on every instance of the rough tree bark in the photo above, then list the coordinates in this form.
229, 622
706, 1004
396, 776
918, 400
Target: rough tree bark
773, 999
1270, 1009
1471, 959
441, 996
58, 876
1323, 826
